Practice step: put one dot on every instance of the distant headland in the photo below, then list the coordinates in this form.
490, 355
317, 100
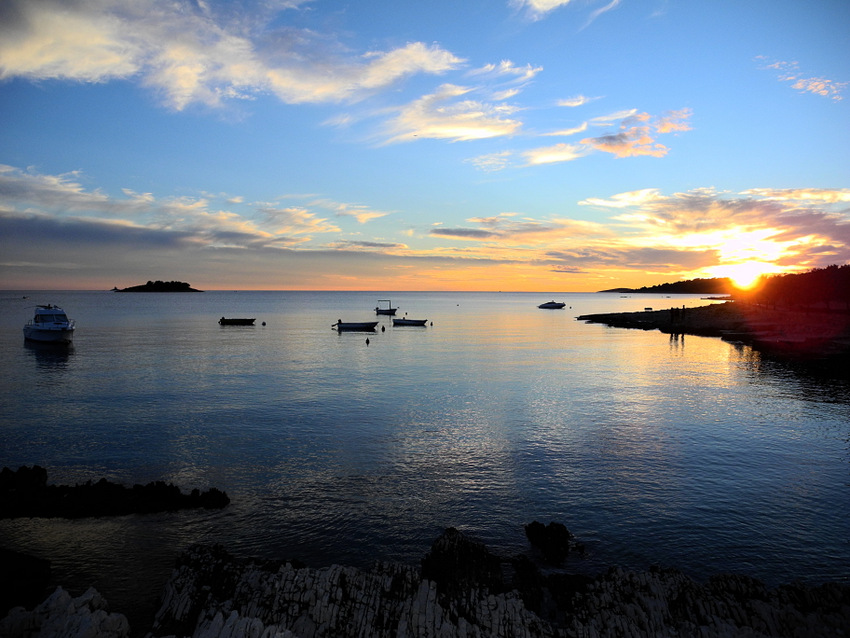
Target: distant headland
714, 286
159, 286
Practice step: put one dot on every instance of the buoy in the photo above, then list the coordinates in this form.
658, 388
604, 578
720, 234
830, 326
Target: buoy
264, 323
367, 341
383, 328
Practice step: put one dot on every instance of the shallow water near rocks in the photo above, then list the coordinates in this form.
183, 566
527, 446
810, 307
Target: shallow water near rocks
687, 452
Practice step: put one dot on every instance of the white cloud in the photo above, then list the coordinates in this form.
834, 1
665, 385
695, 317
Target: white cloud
189, 55
555, 154
441, 115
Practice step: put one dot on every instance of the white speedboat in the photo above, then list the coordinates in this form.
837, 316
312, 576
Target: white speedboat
50, 324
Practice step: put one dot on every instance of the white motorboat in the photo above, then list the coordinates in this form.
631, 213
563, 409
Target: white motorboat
50, 324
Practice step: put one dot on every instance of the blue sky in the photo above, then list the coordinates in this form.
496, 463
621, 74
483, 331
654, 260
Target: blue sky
503, 145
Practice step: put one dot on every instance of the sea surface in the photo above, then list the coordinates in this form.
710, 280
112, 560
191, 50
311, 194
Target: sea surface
687, 452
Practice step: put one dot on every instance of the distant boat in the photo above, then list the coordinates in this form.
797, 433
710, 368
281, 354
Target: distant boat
50, 324
389, 310
409, 322
236, 322
354, 326
552, 305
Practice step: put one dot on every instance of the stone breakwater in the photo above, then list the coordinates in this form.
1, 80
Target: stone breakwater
461, 590
777, 330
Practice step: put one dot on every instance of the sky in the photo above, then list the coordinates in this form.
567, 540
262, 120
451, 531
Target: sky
527, 145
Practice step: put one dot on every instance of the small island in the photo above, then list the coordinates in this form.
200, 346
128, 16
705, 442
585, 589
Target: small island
159, 286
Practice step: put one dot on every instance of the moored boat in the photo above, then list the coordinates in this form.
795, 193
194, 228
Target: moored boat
354, 326
552, 305
236, 322
389, 310
409, 322
49, 324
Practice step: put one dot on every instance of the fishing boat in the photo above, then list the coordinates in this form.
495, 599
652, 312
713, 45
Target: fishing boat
389, 310
354, 326
409, 322
49, 324
236, 322
552, 305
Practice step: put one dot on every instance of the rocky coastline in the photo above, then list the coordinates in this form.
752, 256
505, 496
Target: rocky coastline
786, 331
460, 589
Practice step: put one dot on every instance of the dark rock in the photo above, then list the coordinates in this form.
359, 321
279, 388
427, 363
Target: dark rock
553, 540
24, 581
457, 563
26, 493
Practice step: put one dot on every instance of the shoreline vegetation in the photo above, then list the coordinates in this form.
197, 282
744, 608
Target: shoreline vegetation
801, 316
159, 286
25, 494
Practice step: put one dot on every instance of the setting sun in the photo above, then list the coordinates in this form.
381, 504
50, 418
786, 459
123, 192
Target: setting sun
745, 275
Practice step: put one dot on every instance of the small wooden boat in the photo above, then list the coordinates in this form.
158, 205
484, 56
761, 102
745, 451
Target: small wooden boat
236, 322
389, 310
49, 324
409, 322
355, 326
552, 305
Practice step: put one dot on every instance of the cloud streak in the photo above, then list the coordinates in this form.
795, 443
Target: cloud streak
190, 55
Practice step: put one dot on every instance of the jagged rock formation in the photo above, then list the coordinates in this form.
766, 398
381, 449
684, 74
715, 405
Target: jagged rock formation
61, 616
463, 590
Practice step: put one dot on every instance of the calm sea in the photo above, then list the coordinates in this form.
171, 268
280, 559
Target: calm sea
686, 452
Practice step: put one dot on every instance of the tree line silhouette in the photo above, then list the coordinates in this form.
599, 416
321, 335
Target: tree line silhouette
821, 288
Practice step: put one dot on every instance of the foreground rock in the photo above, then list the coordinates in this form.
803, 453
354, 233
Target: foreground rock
25, 492
778, 330
463, 590
61, 616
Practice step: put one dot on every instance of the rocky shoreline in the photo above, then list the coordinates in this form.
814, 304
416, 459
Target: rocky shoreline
784, 331
460, 589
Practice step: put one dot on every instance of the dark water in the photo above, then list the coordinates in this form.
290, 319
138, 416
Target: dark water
691, 453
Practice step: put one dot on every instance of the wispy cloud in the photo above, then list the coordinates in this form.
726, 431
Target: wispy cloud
636, 134
442, 115
598, 12
189, 54
790, 72
555, 154
578, 100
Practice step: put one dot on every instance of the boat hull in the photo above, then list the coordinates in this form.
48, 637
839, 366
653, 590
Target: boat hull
49, 335
236, 322
409, 322
363, 326
552, 305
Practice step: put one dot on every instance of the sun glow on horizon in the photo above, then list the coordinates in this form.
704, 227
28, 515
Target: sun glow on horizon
744, 275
